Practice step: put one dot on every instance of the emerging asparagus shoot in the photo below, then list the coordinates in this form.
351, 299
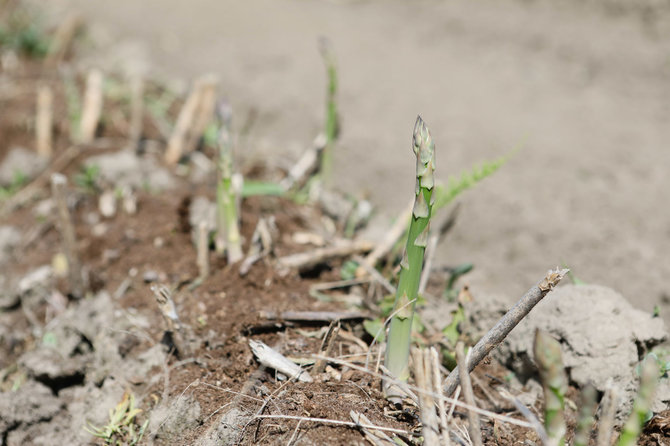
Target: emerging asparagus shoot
397, 351
331, 124
549, 361
642, 405
225, 194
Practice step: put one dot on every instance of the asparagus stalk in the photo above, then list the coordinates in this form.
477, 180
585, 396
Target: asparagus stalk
331, 124
642, 406
585, 420
397, 351
554, 383
227, 219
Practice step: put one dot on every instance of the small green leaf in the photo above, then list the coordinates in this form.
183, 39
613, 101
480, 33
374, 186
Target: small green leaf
49, 339
253, 188
451, 331
348, 270
375, 328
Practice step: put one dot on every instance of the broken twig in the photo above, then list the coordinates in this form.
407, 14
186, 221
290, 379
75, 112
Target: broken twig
474, 428
423, 375
392, 236
44, 121
306, 260
510, 320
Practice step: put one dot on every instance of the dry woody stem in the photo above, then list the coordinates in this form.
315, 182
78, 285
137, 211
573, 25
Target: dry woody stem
474, 428
203, 250
44, 121
503, 327
192, 120
609, 403
66, 226
305, 260
136, 111
62, 39
174, 328
92, 107
423, 375
392, 236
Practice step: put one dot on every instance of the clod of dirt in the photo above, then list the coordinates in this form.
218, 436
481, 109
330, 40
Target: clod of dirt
20, 161
10, 237
125, 168
169, 420
31, 403
227, 430
601, 334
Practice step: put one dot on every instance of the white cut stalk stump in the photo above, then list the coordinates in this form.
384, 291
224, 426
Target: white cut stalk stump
271, 358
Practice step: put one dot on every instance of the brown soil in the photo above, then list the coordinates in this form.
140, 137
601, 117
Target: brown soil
222, 313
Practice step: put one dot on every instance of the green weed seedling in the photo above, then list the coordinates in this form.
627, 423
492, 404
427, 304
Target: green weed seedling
24, 33
18, 181
450, 291
87, 178
121, 429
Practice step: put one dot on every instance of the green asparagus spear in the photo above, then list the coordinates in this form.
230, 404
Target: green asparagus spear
397, 352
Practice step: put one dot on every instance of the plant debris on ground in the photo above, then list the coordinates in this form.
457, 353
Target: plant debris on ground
134, 311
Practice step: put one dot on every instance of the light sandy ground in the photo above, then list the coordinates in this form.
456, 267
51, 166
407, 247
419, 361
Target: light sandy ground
586, 90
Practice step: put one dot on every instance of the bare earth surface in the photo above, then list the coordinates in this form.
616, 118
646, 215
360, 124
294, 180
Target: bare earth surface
585, 89
579, 93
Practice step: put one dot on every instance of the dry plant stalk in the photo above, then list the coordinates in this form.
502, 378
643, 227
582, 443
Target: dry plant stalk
547, 352
92, 106
313, 316
261, 243
392, 236
437, 389
203, 250
189, 126
474, 428
375, 436
327, 346
305, 166
136, 111
66, 226
503, 327
168, 310
444, 224
208, 86
423, 375
62, 39
35, 188
305, 260
44, 121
